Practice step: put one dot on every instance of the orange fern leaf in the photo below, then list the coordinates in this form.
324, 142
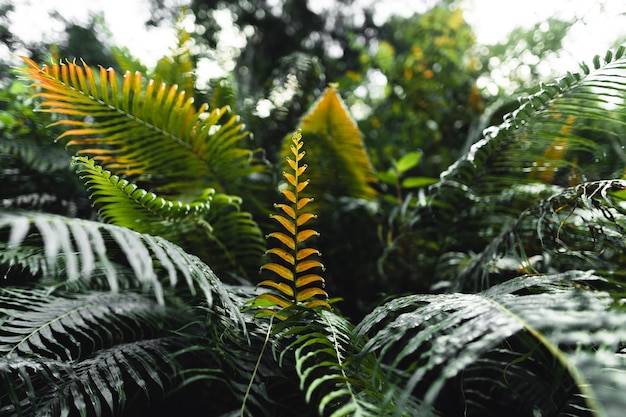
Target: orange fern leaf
294, 279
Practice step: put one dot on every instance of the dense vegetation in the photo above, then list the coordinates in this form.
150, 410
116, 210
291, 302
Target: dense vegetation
311, 241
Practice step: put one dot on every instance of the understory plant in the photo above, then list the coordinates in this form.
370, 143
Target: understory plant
149, 305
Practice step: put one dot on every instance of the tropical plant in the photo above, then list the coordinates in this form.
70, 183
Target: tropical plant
525, 231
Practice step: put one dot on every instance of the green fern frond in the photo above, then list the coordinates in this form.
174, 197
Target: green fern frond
144, 130
552, 131
336, 149
80, 250
105, 384
124, 204
112, 346
32, 320
319, 345
295, 281
552, 228
425, 343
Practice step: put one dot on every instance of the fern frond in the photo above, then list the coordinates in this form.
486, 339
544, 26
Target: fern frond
124, 204
336, 149
92, 351
33, 319
586, 222
77, 250
423, 341
296, 281
551, 132
149, 131
105, 384
319, 344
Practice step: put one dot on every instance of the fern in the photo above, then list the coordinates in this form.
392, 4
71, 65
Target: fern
336, 149
294, 284
422, 341
76, 250
525, 142
111, 343
551, 229
149, 131
212, 227
321, 344
125, 204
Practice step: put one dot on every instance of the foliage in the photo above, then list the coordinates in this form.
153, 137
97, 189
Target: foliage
34, 171
190, 153
499, 285
296, 281
427, 58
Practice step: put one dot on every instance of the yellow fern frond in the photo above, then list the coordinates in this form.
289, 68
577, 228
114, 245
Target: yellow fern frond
294, 281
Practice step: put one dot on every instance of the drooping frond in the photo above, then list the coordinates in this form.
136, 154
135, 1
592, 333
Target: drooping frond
336, 149
76, 249
32, 320
212, 227
91, 352
555, 337
295, 279
554, 133
144, 130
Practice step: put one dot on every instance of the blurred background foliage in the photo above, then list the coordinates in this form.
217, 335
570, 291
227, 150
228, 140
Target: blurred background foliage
420, 89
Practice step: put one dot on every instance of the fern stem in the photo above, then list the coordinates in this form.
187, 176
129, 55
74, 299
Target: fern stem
256, 367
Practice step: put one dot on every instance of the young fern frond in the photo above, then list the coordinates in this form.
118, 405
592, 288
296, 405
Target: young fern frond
125, 204
296, 281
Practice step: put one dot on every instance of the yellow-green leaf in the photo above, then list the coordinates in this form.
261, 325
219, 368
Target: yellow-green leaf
308, 264
289, 195
302, 185
286, 240
305, 234
310, 293
279, 270
303, 218
303, 202
289, 211
306, 252
308, 279
283, 254
280, 286
275, 300
285, 222
290, 178
318, 303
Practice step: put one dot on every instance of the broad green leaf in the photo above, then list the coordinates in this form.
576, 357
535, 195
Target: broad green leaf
408, 161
